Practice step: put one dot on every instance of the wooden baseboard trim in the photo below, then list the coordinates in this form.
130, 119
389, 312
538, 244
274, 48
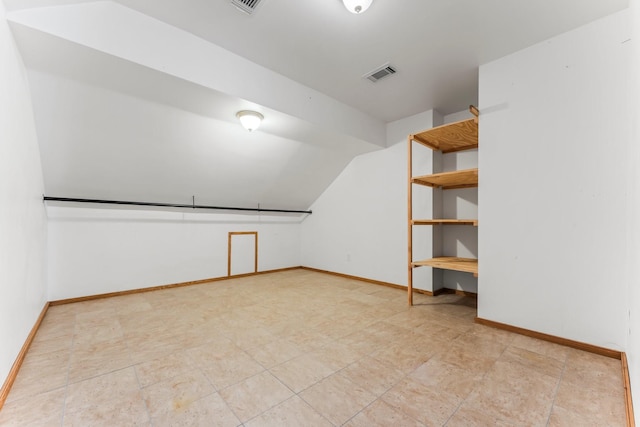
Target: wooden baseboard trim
627, 391
615, 354
466, 293
161, 287
447, 291
441, 291
13, 372
361, 279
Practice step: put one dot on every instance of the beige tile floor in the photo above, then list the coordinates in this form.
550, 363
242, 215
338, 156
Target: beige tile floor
299, 348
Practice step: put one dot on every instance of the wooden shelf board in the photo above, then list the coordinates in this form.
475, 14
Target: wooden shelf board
449, 180
468, 265
458, 136
473, 222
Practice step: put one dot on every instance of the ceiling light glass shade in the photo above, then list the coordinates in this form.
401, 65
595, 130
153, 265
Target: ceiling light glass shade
250, 120
357, 6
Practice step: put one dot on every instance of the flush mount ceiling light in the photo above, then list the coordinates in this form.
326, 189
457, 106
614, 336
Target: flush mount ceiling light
250, 120
357, 6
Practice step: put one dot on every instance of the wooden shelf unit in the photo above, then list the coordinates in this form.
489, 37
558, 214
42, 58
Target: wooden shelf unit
449, 180
449, 138
468, 265
458, 136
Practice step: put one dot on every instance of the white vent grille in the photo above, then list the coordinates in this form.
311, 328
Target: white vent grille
247, 6
380, 73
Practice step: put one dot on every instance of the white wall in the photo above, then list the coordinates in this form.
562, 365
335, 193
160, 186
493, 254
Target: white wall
94, 251
125, 33
459, 240
98, 140
552, 198
633, 258
359, 224
22, 219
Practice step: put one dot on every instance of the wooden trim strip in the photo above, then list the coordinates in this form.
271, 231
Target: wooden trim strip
161, 287
362, 279
229, 254
410, 222
466, 293
615, 354
437, 292
627, 391
13, 372
255, 248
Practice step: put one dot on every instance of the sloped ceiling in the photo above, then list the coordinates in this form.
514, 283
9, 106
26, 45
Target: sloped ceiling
136, 99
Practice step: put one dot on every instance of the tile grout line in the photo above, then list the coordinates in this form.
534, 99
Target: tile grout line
476, 385
135, 373
268, 370
66, 387
555, 394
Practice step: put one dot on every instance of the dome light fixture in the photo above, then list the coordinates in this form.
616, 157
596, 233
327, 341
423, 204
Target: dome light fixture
357, 6
250, 120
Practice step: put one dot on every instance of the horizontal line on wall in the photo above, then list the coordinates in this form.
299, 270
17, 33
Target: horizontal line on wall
168, 205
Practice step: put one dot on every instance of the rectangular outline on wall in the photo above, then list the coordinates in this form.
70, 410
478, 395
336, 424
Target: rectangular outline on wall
255, 256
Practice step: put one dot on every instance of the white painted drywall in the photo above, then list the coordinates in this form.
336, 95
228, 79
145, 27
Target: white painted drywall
359, 224
105, 143
459, 240
95, 251
633, 258
117, 30
22, 217
552, 199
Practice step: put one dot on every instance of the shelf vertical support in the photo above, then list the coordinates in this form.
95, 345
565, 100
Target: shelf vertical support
410, 221
475, 112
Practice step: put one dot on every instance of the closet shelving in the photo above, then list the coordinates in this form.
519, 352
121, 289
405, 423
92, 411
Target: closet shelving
449, 138
450, 180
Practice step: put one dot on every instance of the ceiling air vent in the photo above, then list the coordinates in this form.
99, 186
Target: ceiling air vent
247, 6
380, 73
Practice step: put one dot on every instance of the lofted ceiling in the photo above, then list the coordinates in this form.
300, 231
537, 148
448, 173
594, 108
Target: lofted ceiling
136, 99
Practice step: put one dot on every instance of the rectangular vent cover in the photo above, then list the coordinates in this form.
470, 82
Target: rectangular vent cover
380, 73
247, 6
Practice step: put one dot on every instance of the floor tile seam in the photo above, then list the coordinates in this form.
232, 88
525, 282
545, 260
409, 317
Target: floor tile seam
195, 364
262, 365
220, 389
479, 382
268, 368
294, 395
66, 390
386, 403
538, 353
405, 375
454, 412
555, 394
36, 352
313, 407
261, 413
140, 389
462, 400
32, 395
204, 374
533, 370
122, 368
130, 364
